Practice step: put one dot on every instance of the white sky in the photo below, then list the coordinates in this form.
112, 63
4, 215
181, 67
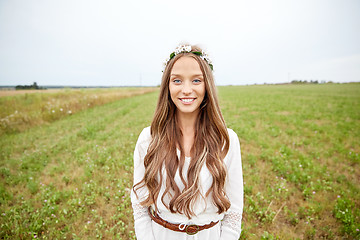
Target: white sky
118, 42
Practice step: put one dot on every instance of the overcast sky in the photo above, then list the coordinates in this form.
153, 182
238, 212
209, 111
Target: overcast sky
105, 42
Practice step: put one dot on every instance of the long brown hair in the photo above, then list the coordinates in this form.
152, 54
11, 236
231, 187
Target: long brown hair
211, 144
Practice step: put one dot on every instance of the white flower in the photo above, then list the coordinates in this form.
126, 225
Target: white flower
178, 50
182, 48
205, 57
166, 62
61, 109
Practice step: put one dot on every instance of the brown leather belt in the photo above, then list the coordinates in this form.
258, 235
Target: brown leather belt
189, 229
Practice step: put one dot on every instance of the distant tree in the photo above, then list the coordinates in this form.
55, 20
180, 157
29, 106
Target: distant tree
296, 81
33, 86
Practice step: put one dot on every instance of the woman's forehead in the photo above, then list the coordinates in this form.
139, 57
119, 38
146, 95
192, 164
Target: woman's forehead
186, 65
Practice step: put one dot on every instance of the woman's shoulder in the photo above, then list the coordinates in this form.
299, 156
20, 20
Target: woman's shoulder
233, 137
231, 133
146, 131
145, 135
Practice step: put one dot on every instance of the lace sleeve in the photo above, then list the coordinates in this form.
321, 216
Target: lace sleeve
139, 211
232, 220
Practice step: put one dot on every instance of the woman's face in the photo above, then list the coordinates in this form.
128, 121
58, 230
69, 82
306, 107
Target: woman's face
187, 86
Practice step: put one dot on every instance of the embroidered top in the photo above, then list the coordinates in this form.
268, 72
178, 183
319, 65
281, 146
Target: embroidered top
206, 212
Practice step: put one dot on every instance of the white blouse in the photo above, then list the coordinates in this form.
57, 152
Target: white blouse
229, 226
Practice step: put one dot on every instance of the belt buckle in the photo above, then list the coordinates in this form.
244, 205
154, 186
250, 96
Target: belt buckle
152, 211
192, 233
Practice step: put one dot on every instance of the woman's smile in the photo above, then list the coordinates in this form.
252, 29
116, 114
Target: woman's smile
187, 101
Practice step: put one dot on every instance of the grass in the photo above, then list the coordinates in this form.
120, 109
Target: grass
36, 107
71, 178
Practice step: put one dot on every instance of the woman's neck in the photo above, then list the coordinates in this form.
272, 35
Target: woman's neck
187, 122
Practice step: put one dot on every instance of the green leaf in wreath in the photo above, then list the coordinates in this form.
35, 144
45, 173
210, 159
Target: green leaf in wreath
197, 53
211, 66
172, 55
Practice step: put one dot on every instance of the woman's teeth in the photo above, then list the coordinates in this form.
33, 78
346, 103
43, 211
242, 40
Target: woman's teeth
187, 100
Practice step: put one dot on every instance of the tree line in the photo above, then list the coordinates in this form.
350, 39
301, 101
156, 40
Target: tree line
33, 86
311, 81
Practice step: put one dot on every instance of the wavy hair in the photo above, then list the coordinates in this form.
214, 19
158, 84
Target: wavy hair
210, 147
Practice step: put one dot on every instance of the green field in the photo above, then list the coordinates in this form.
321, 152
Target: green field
71, 177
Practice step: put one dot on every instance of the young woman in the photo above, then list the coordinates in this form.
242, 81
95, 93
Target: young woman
187, 165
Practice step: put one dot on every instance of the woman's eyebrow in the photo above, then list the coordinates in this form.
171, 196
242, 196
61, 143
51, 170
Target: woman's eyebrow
195, 75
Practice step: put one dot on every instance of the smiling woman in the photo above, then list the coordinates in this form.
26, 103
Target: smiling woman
187, 166
187, 87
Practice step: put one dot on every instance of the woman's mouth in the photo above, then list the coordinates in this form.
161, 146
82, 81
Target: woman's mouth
187, 100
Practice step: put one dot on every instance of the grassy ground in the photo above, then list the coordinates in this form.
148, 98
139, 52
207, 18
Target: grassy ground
71, 178
300, 147
22, 109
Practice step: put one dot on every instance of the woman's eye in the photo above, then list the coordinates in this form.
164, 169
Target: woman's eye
197, 81
177, 81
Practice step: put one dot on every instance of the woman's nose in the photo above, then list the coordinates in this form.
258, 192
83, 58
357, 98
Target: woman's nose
187, 89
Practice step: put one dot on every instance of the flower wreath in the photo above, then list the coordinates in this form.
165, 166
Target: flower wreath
187, 48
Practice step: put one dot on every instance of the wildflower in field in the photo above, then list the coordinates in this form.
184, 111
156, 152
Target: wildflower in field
357, 230
88, 222
61, 109
338, 196
45, 200
53, 111
69, 112
314, 192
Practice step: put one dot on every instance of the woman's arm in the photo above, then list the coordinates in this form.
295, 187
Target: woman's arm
231, 224
142, 220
